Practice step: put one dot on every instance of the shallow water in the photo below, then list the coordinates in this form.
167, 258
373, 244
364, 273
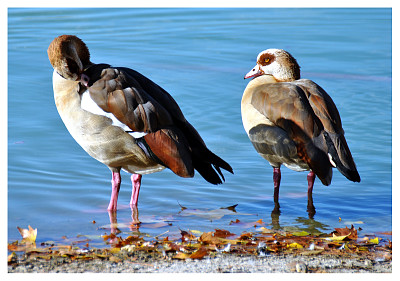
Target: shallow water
200, 56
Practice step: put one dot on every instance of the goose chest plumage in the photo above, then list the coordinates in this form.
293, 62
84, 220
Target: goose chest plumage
294, 122
124, 120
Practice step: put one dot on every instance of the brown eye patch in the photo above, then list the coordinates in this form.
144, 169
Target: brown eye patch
266, 59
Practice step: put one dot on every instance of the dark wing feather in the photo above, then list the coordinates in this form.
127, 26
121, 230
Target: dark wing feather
309, 116
287, 106
145, 107
325, 109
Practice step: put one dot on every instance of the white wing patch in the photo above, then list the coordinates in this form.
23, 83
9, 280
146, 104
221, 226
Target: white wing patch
331, 160
89, 105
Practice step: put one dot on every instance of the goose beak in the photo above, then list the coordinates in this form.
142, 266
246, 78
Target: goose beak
256, 71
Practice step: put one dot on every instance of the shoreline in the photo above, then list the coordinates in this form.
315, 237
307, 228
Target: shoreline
154, 262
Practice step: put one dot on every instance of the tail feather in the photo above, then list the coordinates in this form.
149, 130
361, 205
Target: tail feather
209, 167
341, 156
204, 161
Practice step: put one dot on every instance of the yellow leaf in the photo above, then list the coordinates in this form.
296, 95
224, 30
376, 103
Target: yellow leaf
374, 241
336, 238
295, 245
196, 231
28, 235
114, 250
181, 256
301, 233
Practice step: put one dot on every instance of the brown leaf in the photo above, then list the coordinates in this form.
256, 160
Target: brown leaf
186, 236
247, 224
181, 256
208, 238
111, 237
246, 236
350, 233
221, 233
236, 221
199, 254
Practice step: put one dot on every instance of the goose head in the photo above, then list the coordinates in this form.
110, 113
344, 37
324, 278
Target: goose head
278, 63
69, 56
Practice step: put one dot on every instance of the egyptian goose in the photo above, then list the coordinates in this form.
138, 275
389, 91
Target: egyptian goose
294, 122
124, 120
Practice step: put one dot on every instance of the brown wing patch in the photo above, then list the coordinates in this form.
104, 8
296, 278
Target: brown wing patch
169, 146
322, 105
287, 106
128, 102
284, 101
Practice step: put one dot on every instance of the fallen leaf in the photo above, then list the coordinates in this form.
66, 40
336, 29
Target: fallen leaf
351, 233
181, 256
221, 233
246, 236
336, 238
186, 236
294, 245
115, 250
199, 254
247, 224
265, 230
28, 235
301, 233
208, 238
374, 240
12, 257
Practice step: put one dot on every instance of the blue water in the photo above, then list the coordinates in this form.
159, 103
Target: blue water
200, 56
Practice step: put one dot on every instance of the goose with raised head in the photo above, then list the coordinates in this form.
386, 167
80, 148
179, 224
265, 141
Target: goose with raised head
125, 121
294, 122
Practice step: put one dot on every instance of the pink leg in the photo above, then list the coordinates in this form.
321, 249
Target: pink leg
136, 180
310, 179
116, 183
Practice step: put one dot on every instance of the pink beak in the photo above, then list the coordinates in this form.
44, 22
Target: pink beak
256, 71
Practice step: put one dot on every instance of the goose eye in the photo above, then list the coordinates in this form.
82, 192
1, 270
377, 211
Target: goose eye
266, 60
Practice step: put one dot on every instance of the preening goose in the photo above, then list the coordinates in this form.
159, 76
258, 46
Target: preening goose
124, 120
294, 122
